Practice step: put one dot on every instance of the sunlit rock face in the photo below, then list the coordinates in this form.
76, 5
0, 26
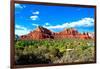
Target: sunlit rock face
38, 33
43, 33
67, 33
85, 36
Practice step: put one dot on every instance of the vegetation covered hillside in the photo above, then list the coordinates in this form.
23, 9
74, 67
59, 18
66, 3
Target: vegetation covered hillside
51, 51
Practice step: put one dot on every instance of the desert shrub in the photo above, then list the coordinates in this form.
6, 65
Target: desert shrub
88, 54
32, 55
31, 59
53, 51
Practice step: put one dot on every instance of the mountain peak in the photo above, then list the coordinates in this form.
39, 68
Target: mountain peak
40, 27
43, 33
69, 29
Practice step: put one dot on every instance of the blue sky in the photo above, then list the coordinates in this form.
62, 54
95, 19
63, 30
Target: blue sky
55, 18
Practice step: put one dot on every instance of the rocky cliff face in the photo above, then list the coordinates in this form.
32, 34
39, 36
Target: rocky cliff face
39, 33
43, 33
67, 33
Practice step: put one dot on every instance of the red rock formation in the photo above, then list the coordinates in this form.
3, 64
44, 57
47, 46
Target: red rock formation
39, 33
67, 33
43, 33
85, 36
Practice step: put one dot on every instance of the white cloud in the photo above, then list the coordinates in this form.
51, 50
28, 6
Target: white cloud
20, 27
36, 12
47, 23
35, 24
34, 17
18, 6
85, 22
20, 30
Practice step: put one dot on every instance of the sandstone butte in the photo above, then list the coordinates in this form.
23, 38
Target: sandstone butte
43, 33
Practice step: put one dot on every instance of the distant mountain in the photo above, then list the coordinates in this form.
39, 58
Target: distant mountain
44, 33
